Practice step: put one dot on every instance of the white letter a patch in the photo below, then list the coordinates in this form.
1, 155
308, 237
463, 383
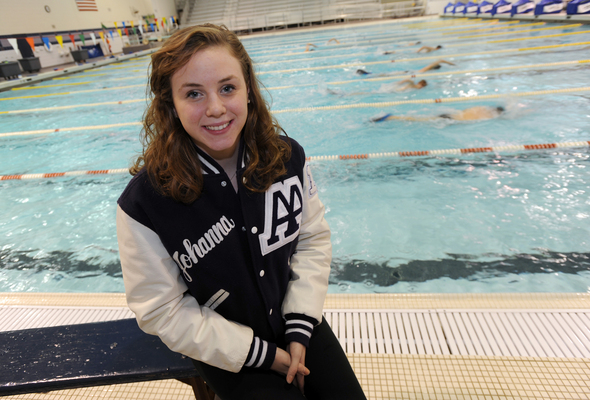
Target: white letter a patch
282, 218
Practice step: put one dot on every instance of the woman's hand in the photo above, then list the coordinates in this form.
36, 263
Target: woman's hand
297, 351
285, 364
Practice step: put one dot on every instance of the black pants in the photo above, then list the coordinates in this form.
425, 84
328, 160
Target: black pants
331, 376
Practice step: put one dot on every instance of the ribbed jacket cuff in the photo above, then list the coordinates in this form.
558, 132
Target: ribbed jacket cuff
299, 328
261, 355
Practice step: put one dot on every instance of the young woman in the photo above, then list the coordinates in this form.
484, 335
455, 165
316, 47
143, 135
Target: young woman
224, 247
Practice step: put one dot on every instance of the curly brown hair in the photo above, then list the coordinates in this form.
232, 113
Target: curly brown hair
169, 155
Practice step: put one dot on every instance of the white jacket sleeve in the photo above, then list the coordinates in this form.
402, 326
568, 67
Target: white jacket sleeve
310, 264
158, 296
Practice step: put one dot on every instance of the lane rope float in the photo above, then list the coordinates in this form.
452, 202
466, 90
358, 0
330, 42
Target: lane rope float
405, 51
519, 32
431, 74
74, 92
128, 78
393, 154
341, 66
106, 103
433, 101
49, 86
496, 149
268, 48
388, 39
74, 76
319, 108
61, 174
358, 64
398, 52
76, 128
376, 39
496, 28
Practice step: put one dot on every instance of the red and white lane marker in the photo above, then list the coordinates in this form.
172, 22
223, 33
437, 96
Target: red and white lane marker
60, 174
498, 149
422, 153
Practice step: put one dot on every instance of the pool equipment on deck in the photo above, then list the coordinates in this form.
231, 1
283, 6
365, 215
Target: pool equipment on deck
485, 7
502, 7
471, 7
523, 7
459, 8
578, 7
549, 7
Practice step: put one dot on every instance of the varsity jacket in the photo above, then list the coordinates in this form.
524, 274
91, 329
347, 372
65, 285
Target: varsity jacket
222, 279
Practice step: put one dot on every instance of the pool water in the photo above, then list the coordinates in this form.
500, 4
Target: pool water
510, 222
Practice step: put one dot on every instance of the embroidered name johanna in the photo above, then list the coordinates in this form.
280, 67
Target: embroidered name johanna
204, 245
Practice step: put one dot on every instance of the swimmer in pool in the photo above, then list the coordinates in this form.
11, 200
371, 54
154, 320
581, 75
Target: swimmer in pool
406, 84
434, 65
410, 84
309, 46
477, 113
428, 49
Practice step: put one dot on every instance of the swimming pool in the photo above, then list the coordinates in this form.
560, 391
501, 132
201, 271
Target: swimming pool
513, 221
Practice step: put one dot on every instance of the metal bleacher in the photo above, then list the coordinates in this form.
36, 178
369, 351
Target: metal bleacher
249, 15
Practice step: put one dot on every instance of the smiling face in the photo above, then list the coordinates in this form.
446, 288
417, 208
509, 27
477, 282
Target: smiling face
210, 96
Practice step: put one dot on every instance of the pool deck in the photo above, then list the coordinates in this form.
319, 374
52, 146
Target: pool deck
28, 78
405, 366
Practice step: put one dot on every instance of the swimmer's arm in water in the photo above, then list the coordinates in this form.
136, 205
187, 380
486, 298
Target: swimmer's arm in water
389, 117
406, 86
340, 93
427, 48
333, 40
363, 72
435, 65
307, 48
429, 67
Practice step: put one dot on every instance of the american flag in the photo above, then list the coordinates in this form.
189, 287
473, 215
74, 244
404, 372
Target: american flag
86, 5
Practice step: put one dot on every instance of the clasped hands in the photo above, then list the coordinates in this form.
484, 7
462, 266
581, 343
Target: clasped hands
291, 363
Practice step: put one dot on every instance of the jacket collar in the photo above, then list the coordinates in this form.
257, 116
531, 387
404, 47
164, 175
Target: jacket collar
210, 167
